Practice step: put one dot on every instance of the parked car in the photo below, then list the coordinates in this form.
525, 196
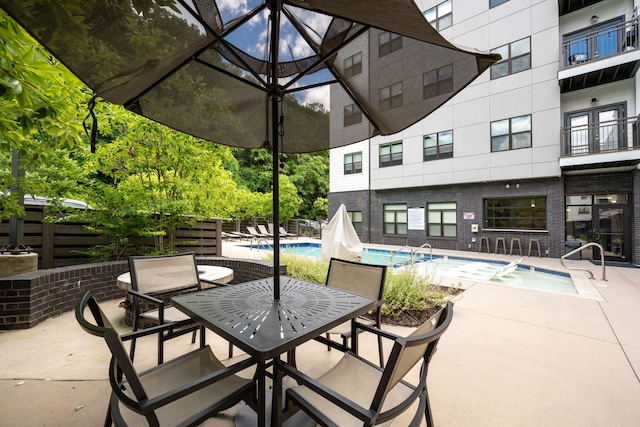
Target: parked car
308, 226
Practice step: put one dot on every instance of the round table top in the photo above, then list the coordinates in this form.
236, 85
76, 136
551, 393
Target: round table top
213, 273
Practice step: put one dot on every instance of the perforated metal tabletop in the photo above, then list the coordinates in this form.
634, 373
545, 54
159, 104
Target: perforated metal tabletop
247, 315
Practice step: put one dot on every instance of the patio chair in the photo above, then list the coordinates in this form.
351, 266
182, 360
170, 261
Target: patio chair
154, 279
255, 233
263, 230
284, 233
229, 236
183, 391
363, 279
242, 235
356, 392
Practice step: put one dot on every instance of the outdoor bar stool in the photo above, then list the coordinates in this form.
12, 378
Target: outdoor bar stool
535, 242
515, 240
504, 245
484, 240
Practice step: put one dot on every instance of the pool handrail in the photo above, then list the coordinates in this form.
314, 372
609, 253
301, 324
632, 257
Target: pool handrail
393, 253
424, 245
604, 273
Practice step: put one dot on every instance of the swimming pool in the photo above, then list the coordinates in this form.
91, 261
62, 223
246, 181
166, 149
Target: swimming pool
513, 274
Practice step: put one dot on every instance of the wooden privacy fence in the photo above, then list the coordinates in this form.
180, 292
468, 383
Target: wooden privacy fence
61, 244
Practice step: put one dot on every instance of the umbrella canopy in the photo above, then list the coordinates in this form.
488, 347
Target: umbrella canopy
231, 71
339, 238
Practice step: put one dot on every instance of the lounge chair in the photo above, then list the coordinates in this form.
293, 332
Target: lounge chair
262, 229
255, 233
284, 233
230, 236
241, 235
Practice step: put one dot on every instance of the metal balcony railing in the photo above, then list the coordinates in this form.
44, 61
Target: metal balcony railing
599, 43
593, 138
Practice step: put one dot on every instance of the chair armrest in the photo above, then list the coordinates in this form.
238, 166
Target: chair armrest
145, 297
155, 329
329, 394
377, 331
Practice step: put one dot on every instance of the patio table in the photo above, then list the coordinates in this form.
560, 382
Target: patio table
247, 316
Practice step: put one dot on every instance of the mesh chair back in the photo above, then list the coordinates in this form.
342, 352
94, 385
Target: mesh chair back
363, 279
163, 273
407, 352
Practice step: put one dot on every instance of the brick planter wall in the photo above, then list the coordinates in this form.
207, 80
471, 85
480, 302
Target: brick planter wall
28, 299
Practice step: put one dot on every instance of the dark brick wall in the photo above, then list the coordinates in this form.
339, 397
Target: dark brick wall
469, 198
28, 299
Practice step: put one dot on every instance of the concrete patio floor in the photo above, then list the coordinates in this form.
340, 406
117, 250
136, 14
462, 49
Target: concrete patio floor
511, 357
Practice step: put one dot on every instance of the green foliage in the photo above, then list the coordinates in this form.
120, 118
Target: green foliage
39, 113
407, 290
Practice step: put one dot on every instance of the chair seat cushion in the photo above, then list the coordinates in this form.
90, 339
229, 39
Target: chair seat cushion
183, 370
354, 380
171, 314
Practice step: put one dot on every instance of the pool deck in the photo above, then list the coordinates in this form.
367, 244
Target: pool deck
511, 356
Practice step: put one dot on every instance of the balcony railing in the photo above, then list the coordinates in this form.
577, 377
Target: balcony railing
601, 137
600, 43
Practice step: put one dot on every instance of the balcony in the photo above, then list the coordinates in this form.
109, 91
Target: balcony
598, 55
606, 144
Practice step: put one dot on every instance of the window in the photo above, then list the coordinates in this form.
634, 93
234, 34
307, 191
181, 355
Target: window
511, 134
388, 42
516, 57
595, 130
440, 16
391, 97
356, 220
353, 64
353, 163
395, 218
525, 213
437, 82
441, 218
391, 154
438, 146
494, 3
352, 115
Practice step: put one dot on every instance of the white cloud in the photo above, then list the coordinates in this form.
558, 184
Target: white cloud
318, 95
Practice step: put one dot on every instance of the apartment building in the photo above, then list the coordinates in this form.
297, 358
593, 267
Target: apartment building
541, 149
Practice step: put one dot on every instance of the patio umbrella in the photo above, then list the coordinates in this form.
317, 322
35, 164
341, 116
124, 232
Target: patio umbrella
231, 71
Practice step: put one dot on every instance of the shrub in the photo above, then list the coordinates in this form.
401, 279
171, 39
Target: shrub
405, 289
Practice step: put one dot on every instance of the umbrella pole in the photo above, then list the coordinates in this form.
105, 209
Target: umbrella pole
275, 96
276, 198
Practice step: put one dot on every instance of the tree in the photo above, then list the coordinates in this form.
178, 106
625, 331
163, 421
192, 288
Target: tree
39, 114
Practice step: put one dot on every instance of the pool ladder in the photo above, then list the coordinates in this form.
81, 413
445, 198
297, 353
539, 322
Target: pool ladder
413, 252
604, 273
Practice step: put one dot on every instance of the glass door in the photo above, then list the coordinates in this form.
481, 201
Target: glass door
609, 231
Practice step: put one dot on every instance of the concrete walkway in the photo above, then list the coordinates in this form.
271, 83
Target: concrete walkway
512, 357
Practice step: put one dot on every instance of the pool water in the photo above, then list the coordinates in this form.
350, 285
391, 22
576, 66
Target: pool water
518, 276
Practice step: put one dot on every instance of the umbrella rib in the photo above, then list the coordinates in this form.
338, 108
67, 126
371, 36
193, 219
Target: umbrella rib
220, 38
230, 74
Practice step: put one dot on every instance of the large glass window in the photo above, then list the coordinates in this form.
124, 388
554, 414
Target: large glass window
388, 42
391, 96
352, 115
442, 219
395, 218
511, 134
516, 57
356, 220
353, 163
524, 213
391, 154
353, 64
437, 82
438, 146
440, 16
